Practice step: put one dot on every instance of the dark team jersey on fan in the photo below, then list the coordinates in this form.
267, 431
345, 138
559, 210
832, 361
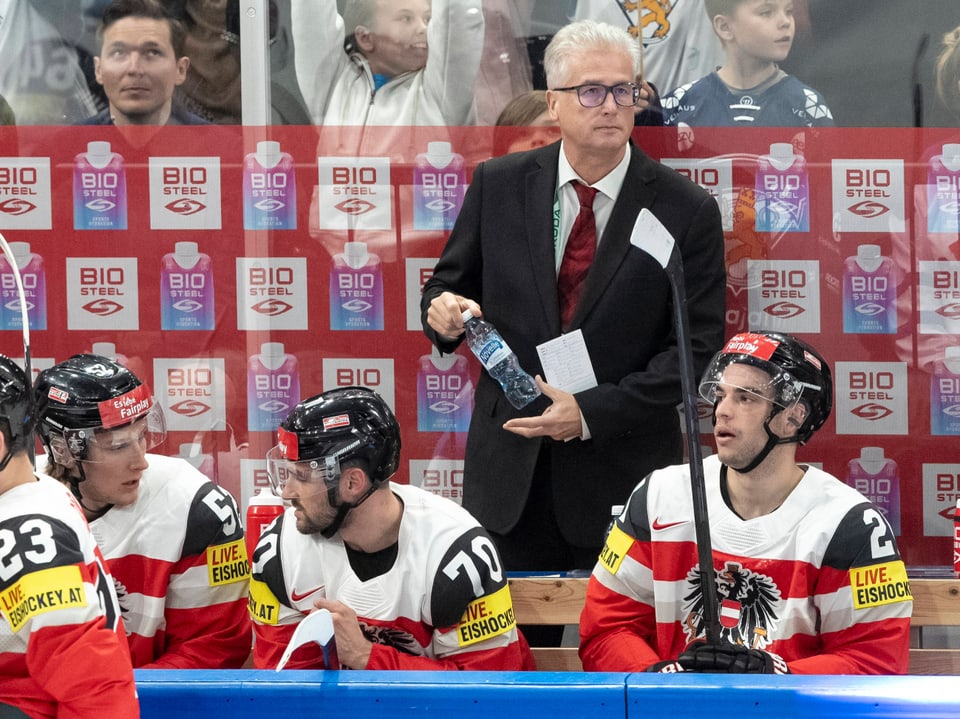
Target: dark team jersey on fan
443, 603
708, 102
818, 581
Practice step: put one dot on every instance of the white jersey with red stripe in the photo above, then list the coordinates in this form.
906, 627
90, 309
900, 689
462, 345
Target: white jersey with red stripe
62, 647
818, 581
180, 563
443, 604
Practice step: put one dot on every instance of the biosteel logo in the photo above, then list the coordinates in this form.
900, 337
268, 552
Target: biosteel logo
185, 207
16, 207
868, 209
103, 308
272, 308
355, 207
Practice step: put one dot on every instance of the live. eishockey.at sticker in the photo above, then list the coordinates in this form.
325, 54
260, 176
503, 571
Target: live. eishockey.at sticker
486, 617
879, 584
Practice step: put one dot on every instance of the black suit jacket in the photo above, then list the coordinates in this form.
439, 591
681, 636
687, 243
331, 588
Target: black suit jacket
500, 253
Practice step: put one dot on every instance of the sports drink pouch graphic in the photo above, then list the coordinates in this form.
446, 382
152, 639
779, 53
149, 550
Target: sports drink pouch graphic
186, 289
356, 289
439, 184
945, 394
783, 191
269, 189
273, 387
878, 479
99, 189
34, 281
943, 191
444, 393
869, 293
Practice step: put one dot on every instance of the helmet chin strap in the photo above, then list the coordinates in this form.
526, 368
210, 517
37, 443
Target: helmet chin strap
333, 497
75, 489
772, 441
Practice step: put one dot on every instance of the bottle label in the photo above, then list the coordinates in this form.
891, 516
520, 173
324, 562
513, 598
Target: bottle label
269, 195
99, 195
444, 396
943, 198
356, 296
783, 198
869, 298
944, 402
186, 295
33, 278
271, 393
493, 352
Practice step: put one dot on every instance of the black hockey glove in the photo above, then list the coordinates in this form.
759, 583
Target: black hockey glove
668, 667
730, 659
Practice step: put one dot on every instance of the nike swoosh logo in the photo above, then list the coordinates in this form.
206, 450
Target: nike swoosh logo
658, 525
295, 596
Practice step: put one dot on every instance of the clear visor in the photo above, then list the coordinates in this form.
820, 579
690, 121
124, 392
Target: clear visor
781, 390
96, 444
308, 476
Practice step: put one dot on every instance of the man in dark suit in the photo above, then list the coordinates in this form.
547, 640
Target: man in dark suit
543, 479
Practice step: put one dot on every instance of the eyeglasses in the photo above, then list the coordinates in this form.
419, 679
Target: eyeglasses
626, 94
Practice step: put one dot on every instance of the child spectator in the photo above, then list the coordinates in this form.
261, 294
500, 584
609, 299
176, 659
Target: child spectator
382, 74
749, 88
948, 71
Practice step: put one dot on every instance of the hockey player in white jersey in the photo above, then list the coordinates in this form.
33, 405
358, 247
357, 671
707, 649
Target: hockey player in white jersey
808, 576
411, 580
62, 649
173, 538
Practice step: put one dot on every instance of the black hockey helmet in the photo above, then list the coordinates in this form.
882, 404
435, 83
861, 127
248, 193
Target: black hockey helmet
86, 394
16, 406
324, 431
798, 374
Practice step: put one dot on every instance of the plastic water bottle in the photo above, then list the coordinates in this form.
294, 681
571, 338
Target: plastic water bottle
262, 509
499, 360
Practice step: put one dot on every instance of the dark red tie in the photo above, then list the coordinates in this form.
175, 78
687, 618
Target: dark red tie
578, 254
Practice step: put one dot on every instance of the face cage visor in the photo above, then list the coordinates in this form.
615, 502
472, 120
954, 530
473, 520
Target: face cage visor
99, 444
308, 476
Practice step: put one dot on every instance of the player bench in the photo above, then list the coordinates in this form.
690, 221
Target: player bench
558, 601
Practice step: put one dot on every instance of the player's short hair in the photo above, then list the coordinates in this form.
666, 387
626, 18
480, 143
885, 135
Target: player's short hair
120, 9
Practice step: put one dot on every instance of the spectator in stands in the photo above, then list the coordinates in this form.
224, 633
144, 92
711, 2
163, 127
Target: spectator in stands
679, 45
529, 111
140, 63
7, 116
411, 579
62, 649
372, 66
173, 538
808, 577
41, 75
948, 71
505, 70
749, 88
